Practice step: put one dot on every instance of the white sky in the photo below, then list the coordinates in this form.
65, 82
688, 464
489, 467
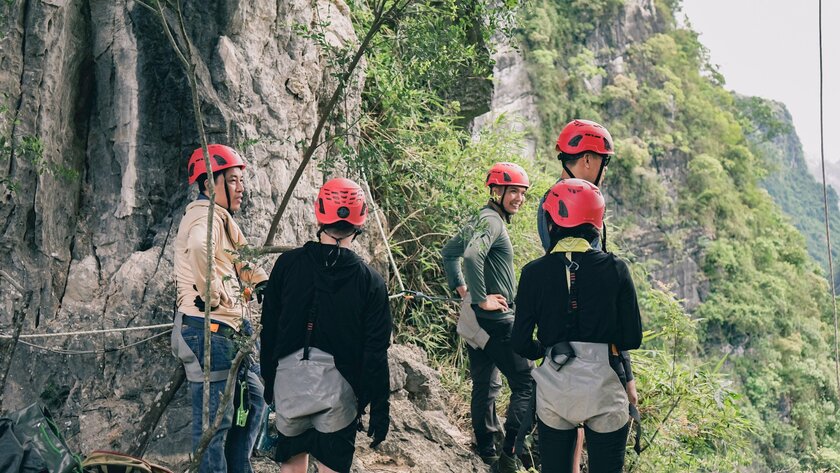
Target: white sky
770, 48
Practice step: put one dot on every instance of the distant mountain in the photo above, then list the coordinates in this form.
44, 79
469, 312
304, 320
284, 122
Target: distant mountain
790, 182
832, 172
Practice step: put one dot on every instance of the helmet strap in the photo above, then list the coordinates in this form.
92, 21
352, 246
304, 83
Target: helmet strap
227, 194
568, 171
600, 172
337, 245
500, 203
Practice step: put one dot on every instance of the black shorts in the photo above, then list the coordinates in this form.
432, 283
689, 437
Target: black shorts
335, 450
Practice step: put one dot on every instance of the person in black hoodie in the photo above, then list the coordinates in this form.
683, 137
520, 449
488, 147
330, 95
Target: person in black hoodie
326, 332
583, 303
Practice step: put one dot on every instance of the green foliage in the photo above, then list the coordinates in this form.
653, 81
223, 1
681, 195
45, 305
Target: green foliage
754, 356
787, 179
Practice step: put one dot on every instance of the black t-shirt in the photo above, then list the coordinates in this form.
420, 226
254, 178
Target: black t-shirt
608, 311
353, 321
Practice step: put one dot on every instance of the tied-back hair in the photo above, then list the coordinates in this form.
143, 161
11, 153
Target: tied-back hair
587, 231
340, 229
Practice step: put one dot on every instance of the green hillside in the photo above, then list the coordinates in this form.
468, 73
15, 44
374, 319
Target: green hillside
792, 187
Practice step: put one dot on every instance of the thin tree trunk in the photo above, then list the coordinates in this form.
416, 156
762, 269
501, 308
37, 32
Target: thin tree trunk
150, 420
20, 310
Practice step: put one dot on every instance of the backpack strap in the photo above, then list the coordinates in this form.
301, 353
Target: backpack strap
310, 324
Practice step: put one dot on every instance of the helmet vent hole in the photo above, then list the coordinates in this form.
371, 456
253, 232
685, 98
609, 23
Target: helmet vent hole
575, 140
607, 145
563, 211
507, 177
220, 160
321, 206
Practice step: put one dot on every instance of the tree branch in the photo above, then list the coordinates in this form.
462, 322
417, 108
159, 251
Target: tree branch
379, 20
207, 435
150, 420
17, 323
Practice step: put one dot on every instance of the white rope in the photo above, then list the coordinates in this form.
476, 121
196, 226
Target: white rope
90, 332
382, 232
65, 351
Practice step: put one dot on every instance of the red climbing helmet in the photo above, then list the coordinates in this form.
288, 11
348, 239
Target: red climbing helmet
341, 199
222, 157
584, 135
573, 202
507, 174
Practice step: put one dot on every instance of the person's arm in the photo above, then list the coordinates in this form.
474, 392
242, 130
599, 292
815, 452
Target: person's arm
628, 311
271, 312
628, 365
632, 394
451, 254
251, 273
527, 304
197, 251
375, 373
475, 254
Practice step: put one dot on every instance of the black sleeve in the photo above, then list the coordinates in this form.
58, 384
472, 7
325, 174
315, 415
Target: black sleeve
527, 303
628, 365
628, 310
271, 311
376, 387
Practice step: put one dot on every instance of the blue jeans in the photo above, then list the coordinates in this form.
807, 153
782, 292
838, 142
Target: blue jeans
231, 446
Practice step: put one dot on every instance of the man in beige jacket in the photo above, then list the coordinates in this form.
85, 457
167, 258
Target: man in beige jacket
230, 288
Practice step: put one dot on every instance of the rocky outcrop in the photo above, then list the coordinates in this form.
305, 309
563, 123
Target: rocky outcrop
638, 21
88, 223
513, 100
422, 438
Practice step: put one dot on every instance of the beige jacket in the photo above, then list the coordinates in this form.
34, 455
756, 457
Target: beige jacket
191, 264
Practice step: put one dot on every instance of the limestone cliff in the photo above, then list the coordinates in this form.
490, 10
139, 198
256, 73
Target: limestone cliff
87, 224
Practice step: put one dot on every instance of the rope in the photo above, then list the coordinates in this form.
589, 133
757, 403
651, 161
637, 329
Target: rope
63, 351
90, 332
825, 202
382, 232
409, 295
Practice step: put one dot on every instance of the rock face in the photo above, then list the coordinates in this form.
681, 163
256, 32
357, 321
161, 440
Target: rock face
422, 439
88, 224
513, 99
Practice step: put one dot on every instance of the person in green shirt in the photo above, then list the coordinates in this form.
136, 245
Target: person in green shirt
489, 281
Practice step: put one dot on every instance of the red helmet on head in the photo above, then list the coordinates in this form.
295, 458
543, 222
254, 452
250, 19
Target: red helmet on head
507, 174
341, 199
584, 135
573, 202
223, 157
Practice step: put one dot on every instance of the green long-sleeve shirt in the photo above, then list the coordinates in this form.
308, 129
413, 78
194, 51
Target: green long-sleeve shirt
484, 246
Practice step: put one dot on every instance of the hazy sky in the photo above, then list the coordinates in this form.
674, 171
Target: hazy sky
770, 48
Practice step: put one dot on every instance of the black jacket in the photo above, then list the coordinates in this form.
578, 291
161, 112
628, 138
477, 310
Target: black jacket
353, 320
608, 311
